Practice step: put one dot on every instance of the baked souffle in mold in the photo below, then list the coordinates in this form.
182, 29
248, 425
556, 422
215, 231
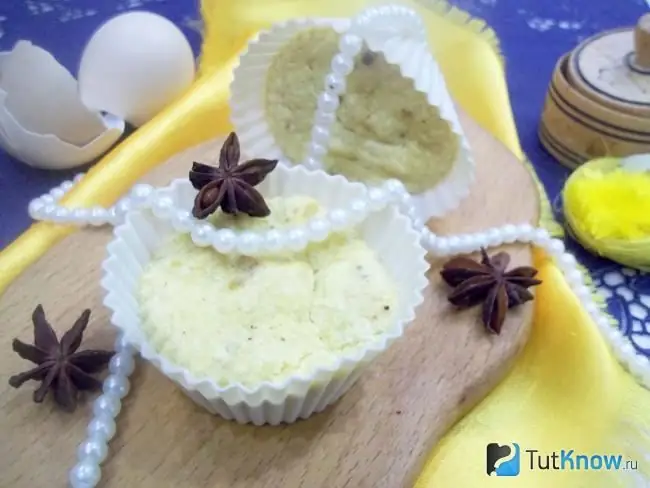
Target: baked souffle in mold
270, 334
248, 320
383, 128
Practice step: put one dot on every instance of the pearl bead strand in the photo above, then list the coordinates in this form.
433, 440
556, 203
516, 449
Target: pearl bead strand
203, 233
377, 198
93, 451
45, 208
328, 101
637, 364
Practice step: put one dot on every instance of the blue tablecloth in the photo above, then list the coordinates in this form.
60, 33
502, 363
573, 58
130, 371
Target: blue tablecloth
533, 33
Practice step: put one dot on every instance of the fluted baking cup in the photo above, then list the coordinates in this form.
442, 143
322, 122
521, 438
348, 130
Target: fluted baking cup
401, 46
387, 232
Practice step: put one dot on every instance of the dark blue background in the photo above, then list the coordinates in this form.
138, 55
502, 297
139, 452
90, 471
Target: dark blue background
533, 34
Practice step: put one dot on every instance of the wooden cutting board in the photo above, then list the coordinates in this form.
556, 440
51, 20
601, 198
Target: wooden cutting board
376, 436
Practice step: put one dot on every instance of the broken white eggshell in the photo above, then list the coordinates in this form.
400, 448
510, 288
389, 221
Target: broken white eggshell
42, 120
135, 65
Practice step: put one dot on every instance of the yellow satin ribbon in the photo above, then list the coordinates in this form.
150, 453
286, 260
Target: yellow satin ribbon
566, 391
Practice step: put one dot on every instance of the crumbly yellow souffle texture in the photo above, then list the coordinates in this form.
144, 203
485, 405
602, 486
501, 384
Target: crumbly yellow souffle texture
384, 128
248, 320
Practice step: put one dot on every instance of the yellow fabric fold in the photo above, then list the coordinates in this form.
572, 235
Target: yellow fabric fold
565, 392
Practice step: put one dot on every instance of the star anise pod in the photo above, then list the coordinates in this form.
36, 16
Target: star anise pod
230, 185
488, 281
60, 367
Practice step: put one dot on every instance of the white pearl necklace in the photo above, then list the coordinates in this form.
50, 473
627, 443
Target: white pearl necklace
93, 451
391, 192
223, 240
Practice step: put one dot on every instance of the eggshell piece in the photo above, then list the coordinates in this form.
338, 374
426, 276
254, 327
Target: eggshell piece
47, 151
636, 163
43, 96
134, 65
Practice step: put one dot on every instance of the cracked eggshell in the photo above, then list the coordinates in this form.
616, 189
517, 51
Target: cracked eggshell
135, 65
42, 120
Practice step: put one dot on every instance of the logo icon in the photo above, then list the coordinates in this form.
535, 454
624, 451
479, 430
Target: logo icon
502, 460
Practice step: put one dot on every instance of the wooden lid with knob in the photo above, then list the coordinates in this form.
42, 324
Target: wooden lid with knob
598, 102
614, 68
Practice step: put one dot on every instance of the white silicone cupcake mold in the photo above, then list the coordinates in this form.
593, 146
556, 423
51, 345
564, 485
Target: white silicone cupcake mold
387, 231
395, 31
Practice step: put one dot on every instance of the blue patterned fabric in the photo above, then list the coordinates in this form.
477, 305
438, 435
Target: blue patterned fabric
626, 291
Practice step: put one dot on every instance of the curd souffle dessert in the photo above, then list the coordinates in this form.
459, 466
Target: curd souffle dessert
273, 332
247, 320
384, 128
